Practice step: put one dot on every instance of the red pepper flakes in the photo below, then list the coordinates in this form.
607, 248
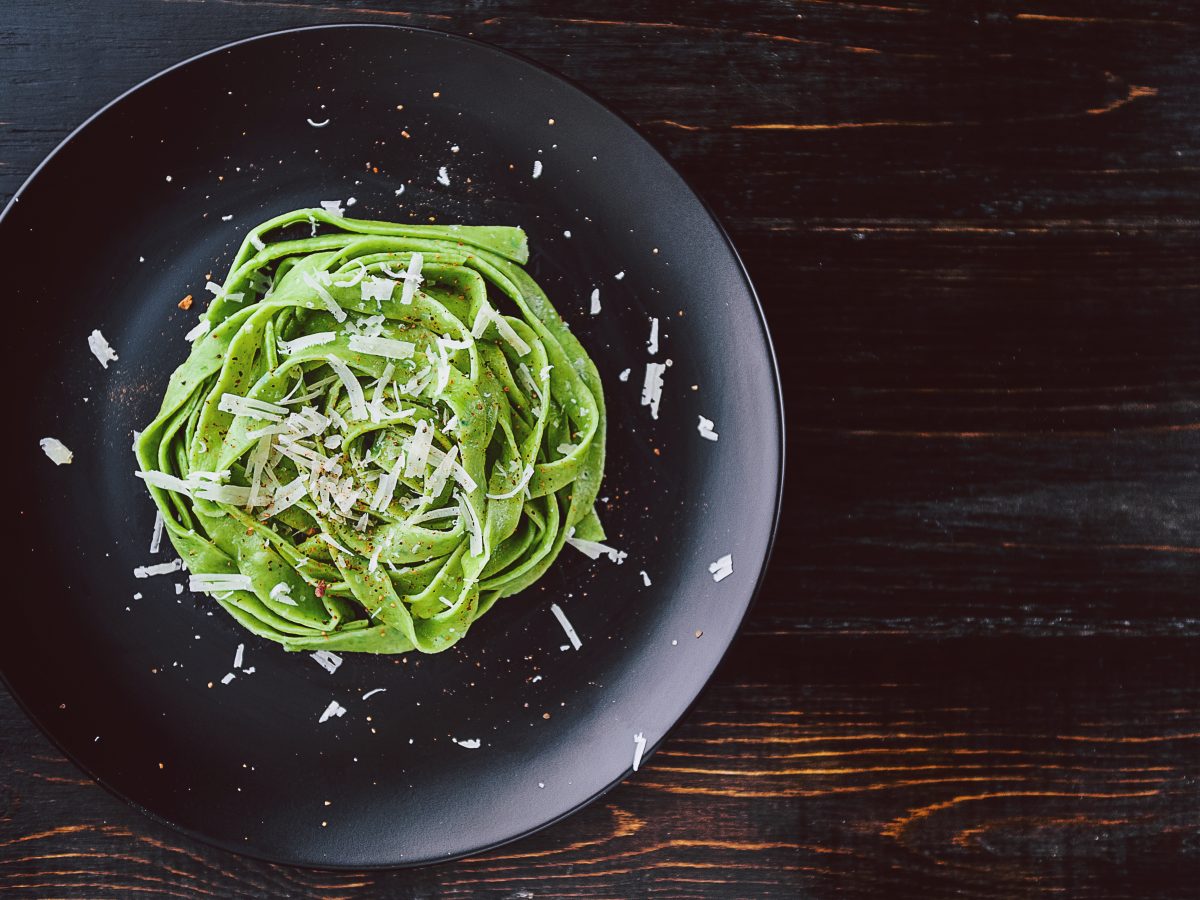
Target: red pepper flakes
186, 302
322, 587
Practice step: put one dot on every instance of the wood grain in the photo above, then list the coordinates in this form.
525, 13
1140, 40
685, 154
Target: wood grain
973, 667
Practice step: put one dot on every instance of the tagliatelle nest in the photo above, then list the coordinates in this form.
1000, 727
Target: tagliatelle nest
380, 431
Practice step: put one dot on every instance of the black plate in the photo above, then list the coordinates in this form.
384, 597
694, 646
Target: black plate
127, 216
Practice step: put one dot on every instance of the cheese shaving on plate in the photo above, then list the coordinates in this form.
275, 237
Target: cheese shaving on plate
156, 535
652, 341
594, 549
327, 661
639, 747
722, 568
333, 207
354, 391
566, 625
333, 709
595, 308
469, 743
100, 348
653, 386
58, 452
168, 568
706, 429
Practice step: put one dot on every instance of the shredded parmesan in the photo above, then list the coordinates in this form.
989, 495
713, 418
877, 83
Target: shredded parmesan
282, 593
212, 582
377, 289
333, 207
238, 655
722, 568
167, 568
443, 176
327, 298
624, 376
595, 310
653, 386
100, 348
652, 342
525, 476
251, 407
706, 429
308, 340
380, 346
537, 168
257, 242
645, 578
619, 275
229, 676
354, 391
198, 332
416, 450
437, 480
593, 549
566, 625
412, 277
469, 743
58, 452
327, 661
639, 747
156, 535
371, 693
333, 709
317, 124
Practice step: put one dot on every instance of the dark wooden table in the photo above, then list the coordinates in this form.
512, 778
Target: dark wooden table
974, 668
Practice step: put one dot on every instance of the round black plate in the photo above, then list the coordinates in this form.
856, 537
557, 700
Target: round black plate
133, 211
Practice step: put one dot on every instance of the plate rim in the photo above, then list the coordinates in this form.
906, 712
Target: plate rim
776, 512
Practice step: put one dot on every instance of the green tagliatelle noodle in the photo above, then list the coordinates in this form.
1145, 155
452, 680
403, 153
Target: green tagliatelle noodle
345, 470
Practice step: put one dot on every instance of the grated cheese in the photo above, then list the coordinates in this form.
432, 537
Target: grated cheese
706, 429
639, 747
652, 342
282, 593
156, 535
333, 207
380, 346
412, 277
537, 168
257, 242
198, 332
333, 709
377, 289
308, 340
469, 743
237, 656
229, 676
354, 391
251, 408
624, 376
317, 124
443, 176
437, 480
722, 568
593, 549
58, 452
645, 578
100, 348
166, 482
525, 476
167, 568
595, 301
327, 298
566, 625
373, 692
327, 661
216, 581
416, 450
653, 386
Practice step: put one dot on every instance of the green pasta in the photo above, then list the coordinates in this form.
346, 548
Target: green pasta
363, 452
